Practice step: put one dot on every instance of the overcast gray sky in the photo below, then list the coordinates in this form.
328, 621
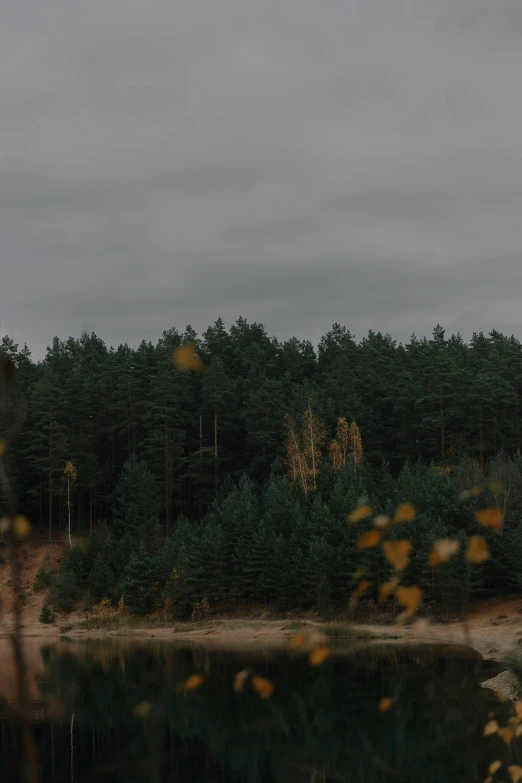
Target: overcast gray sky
298, 162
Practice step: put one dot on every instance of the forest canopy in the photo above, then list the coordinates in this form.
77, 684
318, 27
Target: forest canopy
237, 474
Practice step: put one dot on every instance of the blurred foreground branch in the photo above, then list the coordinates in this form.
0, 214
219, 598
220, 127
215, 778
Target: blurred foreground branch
9, 522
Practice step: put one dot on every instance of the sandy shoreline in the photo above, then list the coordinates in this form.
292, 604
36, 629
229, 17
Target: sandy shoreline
493, 631
493, 628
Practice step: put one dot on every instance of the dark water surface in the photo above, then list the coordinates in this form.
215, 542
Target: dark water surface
112, 712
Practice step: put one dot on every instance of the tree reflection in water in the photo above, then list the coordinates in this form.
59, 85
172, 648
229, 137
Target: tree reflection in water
121, 711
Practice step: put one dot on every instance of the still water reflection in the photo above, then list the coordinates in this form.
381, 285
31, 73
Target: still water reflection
113, 712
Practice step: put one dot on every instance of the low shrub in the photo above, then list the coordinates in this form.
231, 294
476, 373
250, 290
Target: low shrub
45, 576
46, 616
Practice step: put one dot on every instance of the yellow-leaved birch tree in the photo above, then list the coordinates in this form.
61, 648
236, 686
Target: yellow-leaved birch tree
339, 449
296, 459
347, 445
70, 474
313, 436
304, 449
356, 447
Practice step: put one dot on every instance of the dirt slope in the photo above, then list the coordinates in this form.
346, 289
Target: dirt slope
32, 553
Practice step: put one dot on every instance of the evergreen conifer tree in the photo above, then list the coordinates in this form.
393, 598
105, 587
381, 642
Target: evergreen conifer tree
136, 503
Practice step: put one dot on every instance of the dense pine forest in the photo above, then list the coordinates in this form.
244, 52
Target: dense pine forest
228, 479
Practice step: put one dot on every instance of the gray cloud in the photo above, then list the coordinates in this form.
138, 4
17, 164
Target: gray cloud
298, 163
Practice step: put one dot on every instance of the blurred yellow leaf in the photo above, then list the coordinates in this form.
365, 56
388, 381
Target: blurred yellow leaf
319, 656
192, 683
299, 640
382, 520
240, 679
518, 708
470, 493
386, 704
185, 357
143, 709
490, 728
386, 589
405, 513
3, 447
398, 553
516, 773
434, 559
362, 587
490, 517
409, 597
21, 527
518, 731
264, 688
494, 767
362, 512
369, 539
506, 734
442, 550
497, 487
5, 524
477, 550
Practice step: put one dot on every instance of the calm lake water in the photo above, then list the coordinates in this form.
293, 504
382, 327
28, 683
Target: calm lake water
114, 712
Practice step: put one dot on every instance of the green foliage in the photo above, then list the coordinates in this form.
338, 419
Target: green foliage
66, 591
279, 552
136, 503
139, 587
75, 561
46, 615
70, 579
44, 577
101, 580
166, 419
